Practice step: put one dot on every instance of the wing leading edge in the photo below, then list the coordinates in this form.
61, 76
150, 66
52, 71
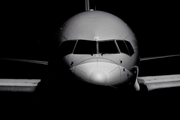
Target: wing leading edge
26, 61
158, 57
160, 82
19, 85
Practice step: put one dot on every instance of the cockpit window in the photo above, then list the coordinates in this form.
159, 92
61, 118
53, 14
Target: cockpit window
122, 46
125, 47
108, 47
67, 47
95, 47
85, 47
131, 51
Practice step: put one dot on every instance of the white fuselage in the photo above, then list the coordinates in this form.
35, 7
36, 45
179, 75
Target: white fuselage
99, 48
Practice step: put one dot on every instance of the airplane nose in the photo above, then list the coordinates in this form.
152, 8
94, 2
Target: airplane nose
99, 72
98, 77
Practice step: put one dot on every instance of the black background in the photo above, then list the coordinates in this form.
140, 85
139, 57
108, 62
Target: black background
27, 28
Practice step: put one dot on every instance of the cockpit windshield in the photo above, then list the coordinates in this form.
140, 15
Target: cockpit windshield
96, 47
125, 47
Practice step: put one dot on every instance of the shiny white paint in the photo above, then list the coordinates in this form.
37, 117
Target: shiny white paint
97, 25
106, 73
107, 69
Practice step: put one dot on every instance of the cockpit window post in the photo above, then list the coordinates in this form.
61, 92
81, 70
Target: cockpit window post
75, 46
130, 49
122, 46
117, 46
97, 47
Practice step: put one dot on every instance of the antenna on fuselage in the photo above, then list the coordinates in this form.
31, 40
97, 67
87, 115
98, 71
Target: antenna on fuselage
87, 5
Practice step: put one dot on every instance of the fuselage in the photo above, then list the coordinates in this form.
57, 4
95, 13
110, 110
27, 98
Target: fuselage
99, 48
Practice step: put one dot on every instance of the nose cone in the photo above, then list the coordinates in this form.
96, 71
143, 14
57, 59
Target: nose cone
98, 71
98, 77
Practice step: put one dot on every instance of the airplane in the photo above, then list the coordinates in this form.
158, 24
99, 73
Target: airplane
98, 48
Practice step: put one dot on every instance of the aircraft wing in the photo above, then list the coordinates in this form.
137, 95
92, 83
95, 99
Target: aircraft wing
152, 58
27, 61
154, 82
19, 85
159, 82
13, 84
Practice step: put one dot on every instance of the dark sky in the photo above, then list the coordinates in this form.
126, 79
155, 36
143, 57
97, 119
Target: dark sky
27, 28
